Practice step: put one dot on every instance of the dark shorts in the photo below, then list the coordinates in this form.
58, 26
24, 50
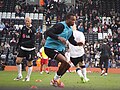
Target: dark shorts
28, 54
52, 53
77, 60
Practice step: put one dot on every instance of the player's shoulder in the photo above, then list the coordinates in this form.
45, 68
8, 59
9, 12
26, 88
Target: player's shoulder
33, 29
78, 32
23, 27
59, 25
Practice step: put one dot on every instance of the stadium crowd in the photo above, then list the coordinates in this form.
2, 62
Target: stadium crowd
91, 18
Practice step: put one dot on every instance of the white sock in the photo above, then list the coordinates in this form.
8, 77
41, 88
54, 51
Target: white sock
56, 77
79, 72
84, 72
29, 72
19, 67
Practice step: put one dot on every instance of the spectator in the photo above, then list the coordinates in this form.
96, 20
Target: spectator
81, 27
95, 29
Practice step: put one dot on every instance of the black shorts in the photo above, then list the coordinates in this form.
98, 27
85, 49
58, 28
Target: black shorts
77, 60
52, 53
28, 54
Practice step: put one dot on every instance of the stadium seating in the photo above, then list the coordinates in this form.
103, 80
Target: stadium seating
4, 15
31, 15
37, 19
8, 15
36, 16
27, 15
91, 37
13, 15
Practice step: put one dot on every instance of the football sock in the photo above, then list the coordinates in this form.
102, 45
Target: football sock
84, 72
29, 71
41, 68
19, 67
106, 70
56, 77
47, 69
79, 72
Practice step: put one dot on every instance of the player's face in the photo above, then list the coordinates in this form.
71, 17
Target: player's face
27, 22
72, 20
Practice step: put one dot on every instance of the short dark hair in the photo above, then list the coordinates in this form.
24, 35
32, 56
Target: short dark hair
105, 40
69, 15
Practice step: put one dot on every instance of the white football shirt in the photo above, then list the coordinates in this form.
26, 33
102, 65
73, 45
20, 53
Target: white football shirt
77, 51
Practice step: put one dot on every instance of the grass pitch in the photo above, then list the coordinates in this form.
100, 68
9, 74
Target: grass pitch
71, 80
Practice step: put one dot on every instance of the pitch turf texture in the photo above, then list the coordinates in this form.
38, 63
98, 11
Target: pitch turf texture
71, 81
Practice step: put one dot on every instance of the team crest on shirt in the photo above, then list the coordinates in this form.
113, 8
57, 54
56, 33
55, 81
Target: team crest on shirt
23, 36
27, 36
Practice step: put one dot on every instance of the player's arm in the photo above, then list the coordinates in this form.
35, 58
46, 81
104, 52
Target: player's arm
100, 48
39, 55
53, 31
19, 40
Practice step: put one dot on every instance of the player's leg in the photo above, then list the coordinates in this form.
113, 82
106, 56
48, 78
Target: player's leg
29, 57
41, 67
84, 72
30, 67
64, 66
19, 68
79, 71
100, 64
82, 65
19, 65
106, 66
46, 69
75, 61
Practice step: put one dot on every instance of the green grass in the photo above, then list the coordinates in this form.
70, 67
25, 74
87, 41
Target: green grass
71, 81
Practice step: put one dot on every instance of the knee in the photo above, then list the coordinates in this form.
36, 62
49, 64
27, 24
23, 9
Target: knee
18, 62
67, 65
29, 63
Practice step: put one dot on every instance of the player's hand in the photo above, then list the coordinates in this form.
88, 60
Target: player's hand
79, 43
63, 40
38, 55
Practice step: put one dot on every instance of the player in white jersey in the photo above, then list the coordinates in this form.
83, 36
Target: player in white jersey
77, 55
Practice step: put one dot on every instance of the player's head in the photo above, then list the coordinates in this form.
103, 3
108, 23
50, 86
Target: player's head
70, 19
105, 41
28, 21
